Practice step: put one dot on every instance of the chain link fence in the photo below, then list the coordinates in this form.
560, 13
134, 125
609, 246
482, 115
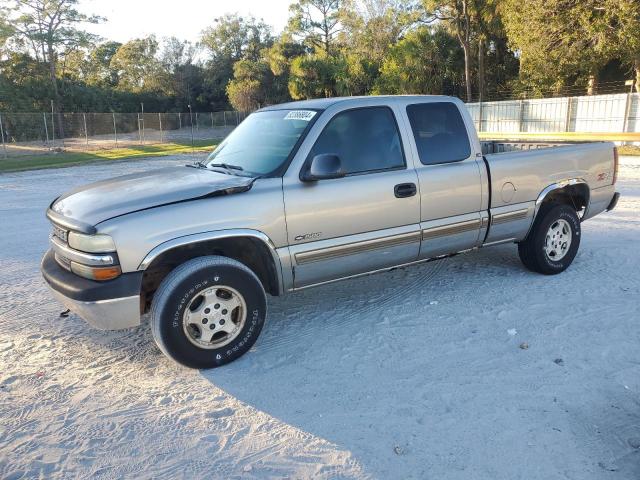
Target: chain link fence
38, 133
41, 133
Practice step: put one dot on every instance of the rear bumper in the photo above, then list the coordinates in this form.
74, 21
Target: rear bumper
613, 202
110, 305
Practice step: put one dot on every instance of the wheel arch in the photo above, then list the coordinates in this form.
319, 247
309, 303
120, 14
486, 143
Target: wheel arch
574, 192
250, 247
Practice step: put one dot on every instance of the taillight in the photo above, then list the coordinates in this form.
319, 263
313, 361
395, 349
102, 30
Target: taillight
615, 165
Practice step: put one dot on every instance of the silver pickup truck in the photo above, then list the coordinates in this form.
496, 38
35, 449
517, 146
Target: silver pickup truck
306, 193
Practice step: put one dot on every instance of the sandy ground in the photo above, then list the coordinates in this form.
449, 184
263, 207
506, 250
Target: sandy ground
415, 373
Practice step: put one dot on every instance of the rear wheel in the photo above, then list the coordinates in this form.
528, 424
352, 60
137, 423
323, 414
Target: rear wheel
553, 241
208, 312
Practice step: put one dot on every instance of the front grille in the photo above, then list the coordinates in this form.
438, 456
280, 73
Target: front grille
60, 233
63, 261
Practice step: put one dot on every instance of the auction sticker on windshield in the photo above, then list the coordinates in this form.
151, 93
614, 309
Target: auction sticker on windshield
305, 115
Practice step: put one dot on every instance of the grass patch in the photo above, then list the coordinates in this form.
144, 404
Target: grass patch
629, 150
67, 159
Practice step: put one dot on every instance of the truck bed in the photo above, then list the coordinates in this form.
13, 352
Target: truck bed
529, 167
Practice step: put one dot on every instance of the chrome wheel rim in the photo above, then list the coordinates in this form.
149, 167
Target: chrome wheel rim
558, 240
214, 317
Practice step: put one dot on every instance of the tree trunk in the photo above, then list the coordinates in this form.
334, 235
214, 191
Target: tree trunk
467, 69
56, 92
481, 69
636, 67
592, 86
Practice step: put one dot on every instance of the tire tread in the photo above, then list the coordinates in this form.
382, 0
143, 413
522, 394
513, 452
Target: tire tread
528, 248
176, 276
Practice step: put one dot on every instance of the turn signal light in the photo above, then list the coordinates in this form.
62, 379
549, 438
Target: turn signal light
96, 273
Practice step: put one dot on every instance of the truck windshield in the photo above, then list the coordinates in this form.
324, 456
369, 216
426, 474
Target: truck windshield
262, 142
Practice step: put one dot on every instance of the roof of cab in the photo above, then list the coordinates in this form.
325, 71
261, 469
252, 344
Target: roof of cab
323, 103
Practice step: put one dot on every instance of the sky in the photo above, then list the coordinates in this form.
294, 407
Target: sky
185, 19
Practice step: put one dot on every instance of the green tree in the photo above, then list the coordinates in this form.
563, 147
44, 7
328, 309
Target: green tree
282, 52
24, 83
231, 38
177, 59
279, 57
313, 76
49, 29
564, 42
370, 29
248, 90
355, 74
138, 67
427, 61
234, 37
461, 18
618, 30
101, 72
316, 23
6, 30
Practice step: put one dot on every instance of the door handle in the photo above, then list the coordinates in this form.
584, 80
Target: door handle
404, 190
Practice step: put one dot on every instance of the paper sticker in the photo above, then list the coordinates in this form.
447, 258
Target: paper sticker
304, 115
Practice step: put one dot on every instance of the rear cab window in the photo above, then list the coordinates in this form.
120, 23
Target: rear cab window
439, 132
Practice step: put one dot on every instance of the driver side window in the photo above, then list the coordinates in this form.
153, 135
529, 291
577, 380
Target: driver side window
365, 140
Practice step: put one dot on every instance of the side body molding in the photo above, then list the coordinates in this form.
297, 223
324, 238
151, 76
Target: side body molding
217, 235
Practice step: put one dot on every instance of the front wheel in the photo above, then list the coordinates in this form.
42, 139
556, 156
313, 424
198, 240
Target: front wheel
553, 241
208, 312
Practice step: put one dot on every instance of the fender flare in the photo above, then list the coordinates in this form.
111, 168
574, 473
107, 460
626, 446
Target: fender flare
558, 186
553, 187
216, 235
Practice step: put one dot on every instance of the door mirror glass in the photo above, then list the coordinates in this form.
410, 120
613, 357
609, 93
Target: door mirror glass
323, 167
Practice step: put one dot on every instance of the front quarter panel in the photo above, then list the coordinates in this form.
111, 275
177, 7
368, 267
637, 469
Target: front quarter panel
260, 208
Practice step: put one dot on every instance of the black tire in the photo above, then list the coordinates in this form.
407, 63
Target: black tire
532, 249
178, 289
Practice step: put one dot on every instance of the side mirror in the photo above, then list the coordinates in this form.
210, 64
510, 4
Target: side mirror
323, 167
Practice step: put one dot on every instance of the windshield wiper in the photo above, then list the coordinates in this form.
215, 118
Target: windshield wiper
228, 166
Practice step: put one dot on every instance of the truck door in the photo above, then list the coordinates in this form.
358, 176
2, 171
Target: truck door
365, 221
450, 176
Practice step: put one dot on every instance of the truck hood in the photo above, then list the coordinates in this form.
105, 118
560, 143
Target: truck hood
100, 201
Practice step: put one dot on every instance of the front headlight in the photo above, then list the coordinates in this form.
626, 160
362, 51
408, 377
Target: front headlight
98, 243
